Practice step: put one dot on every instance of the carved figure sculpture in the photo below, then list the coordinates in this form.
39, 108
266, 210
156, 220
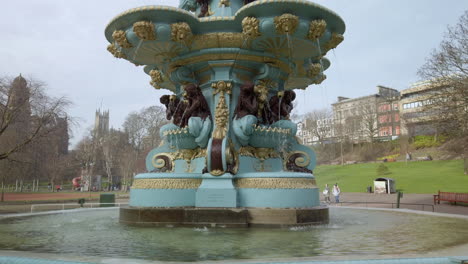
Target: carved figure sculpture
174, 108
281, 106
247, 103
203, 7
196, 104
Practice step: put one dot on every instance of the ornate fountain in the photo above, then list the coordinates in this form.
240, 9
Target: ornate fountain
230, 157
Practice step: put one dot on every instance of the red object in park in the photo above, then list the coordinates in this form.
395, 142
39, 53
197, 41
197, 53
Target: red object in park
76, 182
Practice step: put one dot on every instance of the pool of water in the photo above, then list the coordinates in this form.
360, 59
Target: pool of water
351, 232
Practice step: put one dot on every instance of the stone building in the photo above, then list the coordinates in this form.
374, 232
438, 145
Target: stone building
415, 119
357, 119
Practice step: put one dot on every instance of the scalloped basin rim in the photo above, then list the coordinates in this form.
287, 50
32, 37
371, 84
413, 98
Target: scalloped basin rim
173, 14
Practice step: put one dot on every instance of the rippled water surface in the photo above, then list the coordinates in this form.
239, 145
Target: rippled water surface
350, 232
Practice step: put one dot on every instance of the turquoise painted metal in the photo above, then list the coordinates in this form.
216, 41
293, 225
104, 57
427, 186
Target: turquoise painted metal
231, 67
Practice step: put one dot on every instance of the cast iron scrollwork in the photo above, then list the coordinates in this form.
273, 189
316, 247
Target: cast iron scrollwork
298, 161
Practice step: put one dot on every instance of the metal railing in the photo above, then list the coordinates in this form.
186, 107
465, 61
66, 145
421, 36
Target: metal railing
66, 206
392, 204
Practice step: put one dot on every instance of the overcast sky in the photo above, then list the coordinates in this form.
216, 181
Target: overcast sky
62, 43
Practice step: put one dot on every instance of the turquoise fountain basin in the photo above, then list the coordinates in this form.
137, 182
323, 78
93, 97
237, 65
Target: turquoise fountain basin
351, 234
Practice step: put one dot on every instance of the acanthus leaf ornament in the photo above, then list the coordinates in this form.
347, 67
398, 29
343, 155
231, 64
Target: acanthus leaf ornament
317, 29
120, 38
144, 30
221, 111
286, 23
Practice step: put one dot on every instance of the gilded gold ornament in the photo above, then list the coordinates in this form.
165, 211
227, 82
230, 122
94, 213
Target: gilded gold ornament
181, 32
116, 52
316, 29
314, 70
221, 111
250, 27
156, 78
259, 153
334, 41
120, 38
286, 23
144, 30
166, 183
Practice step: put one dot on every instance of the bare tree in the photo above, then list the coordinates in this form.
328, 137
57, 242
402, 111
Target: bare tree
143, 127
155, 118
368, 117
317, 123
135, 127
85, 154
25, 118
446, 71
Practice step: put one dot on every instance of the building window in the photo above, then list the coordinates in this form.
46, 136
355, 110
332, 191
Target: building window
397, 117
397, 130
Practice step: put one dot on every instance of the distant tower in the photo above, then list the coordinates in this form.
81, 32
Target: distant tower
20, 108
101, 124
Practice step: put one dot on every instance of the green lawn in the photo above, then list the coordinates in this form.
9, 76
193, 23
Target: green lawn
414, 177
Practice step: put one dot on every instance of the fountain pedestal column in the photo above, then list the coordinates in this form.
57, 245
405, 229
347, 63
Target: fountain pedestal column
216, 192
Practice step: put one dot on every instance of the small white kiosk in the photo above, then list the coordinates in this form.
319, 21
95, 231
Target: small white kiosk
384, 185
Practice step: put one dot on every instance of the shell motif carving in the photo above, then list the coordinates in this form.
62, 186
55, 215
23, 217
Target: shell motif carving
286, 23
316, 29
120, 37
181, 32
250, 27
144, 30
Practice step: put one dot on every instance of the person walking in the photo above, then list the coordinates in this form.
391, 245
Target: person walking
336, 192
326, 193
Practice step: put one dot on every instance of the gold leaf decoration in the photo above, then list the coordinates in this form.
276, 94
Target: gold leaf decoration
156, 78
314, 70
181, 32
120, 37
116, 52
335, 40
250, 27
221, 111
316, 29
166, 183
286, 23
259, 153
144, 30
